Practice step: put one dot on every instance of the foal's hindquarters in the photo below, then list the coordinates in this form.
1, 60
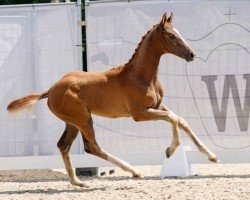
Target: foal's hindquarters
66, 102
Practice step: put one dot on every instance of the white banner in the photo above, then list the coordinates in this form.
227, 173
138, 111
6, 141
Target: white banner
38, 45
212, 93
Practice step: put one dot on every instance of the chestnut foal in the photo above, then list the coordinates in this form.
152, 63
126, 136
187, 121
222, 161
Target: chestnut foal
131, 90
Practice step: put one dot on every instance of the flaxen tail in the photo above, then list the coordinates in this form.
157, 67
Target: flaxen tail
25, 103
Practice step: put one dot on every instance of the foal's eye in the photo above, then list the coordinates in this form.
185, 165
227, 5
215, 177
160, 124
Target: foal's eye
172, 36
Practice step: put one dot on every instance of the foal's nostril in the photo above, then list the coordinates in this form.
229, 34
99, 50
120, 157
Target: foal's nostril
191, 55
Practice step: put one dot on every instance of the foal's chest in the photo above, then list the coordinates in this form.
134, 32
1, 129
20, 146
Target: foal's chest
152, 98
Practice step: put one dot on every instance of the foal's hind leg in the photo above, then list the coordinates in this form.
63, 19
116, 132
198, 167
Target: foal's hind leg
91, 146
64, 144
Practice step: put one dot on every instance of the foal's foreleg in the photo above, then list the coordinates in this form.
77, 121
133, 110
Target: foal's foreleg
199, 144
163, 113
64, 144
175, 140
158, 114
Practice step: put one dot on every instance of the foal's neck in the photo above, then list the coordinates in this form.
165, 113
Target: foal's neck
144, 62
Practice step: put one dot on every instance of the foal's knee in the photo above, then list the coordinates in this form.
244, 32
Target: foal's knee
183, 124
172, 118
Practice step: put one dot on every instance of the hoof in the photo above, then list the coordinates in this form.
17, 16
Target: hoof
137, 175
168, 154
214, 159
80, 184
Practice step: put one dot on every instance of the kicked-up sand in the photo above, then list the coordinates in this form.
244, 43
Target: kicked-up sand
215, 181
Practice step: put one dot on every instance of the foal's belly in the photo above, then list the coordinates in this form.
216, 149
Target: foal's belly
110, 115
105, 99
108, 107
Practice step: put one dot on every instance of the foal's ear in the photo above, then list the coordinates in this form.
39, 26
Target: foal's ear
170, 19
164, 19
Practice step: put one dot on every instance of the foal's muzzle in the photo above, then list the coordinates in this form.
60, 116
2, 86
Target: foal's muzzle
189, 56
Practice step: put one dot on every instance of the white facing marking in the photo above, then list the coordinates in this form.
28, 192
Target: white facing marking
178, 33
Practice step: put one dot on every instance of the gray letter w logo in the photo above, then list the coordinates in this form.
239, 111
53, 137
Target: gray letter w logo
221, 114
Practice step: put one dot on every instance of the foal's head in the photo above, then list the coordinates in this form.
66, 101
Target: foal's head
172, 40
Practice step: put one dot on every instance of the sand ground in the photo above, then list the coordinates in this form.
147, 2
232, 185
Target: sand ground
215, 181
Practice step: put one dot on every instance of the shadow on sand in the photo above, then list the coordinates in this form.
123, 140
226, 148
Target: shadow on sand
53, 191
47, 175
36, 176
